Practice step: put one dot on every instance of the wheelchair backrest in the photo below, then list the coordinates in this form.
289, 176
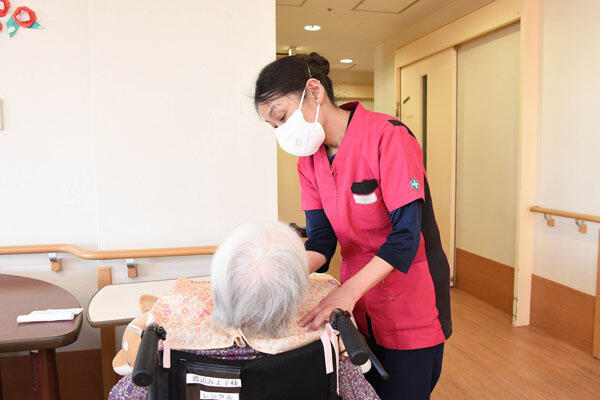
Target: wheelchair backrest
293, 375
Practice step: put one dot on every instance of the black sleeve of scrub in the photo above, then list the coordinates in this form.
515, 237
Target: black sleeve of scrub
402, 243
321, 237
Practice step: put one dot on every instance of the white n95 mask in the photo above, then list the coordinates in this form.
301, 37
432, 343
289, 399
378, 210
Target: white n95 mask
299, 137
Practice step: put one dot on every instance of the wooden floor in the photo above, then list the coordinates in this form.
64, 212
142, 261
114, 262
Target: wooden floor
487, 358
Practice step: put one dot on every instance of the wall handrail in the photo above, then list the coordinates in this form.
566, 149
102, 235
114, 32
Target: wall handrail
109, 254
566, 214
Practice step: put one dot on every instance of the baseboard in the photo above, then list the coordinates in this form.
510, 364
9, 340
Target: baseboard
79, 375
562, 312
485, 279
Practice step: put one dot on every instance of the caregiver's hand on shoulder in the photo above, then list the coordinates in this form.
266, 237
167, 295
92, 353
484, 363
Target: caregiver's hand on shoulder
343, 297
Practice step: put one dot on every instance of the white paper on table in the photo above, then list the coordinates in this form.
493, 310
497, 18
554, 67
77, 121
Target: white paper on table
73, 310
66, 314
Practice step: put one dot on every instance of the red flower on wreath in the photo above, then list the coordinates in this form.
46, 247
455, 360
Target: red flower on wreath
24, 16
4, 6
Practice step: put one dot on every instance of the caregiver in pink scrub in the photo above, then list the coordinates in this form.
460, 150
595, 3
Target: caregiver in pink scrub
364, 185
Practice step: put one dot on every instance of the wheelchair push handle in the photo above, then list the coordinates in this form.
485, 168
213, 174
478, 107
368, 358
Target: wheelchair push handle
357, 348
147, 356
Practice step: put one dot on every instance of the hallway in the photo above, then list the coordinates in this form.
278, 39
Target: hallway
487, 358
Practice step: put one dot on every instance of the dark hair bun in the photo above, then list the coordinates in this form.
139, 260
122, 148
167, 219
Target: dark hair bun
318, 64
289, 75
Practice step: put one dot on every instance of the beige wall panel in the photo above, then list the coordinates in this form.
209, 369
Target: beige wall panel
288, 189
488, 124
347, 92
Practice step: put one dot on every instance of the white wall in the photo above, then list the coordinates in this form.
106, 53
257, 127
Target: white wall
131, 125
47, 145
487, 153
182, 135
568, 165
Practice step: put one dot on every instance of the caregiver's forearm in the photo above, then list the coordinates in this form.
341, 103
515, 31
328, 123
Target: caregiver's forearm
369, 276
315, 260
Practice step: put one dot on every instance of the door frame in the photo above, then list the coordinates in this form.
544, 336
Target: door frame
491, 17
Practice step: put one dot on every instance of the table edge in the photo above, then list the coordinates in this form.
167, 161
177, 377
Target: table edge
48, 342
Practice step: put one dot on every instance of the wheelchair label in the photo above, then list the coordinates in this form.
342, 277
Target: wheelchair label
212, 381
218, 396
206, 381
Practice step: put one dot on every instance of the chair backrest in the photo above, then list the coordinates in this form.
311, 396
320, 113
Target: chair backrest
294, 375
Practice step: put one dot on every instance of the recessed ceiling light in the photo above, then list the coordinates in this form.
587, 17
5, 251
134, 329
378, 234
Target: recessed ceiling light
312, 28
346, 60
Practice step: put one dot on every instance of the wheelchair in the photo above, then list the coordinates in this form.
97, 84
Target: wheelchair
291, 375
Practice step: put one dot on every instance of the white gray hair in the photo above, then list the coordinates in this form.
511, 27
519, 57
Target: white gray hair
258, 279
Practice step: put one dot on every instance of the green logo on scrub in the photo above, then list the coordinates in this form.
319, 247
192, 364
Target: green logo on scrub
414, 183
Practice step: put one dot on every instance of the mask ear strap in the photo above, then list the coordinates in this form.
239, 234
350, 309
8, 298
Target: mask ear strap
302, 99
317, 116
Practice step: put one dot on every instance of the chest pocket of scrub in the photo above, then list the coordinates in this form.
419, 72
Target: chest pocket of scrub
368, 210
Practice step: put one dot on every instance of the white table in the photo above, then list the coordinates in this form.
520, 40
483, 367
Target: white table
118, 304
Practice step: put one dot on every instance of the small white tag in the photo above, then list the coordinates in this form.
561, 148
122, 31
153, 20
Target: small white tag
219, 395
365, 198
212, 381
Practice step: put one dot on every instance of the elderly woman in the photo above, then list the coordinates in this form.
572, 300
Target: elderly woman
260, 289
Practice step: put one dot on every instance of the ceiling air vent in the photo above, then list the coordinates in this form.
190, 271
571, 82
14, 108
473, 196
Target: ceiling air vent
291, 3
384, 6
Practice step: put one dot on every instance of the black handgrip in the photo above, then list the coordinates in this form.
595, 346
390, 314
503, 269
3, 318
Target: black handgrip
357, 348
146, 360
353, 341
301, 230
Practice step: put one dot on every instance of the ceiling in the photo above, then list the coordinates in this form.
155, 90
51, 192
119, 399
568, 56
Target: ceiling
350, 28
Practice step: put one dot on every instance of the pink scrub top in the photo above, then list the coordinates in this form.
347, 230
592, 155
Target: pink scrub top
407, 310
